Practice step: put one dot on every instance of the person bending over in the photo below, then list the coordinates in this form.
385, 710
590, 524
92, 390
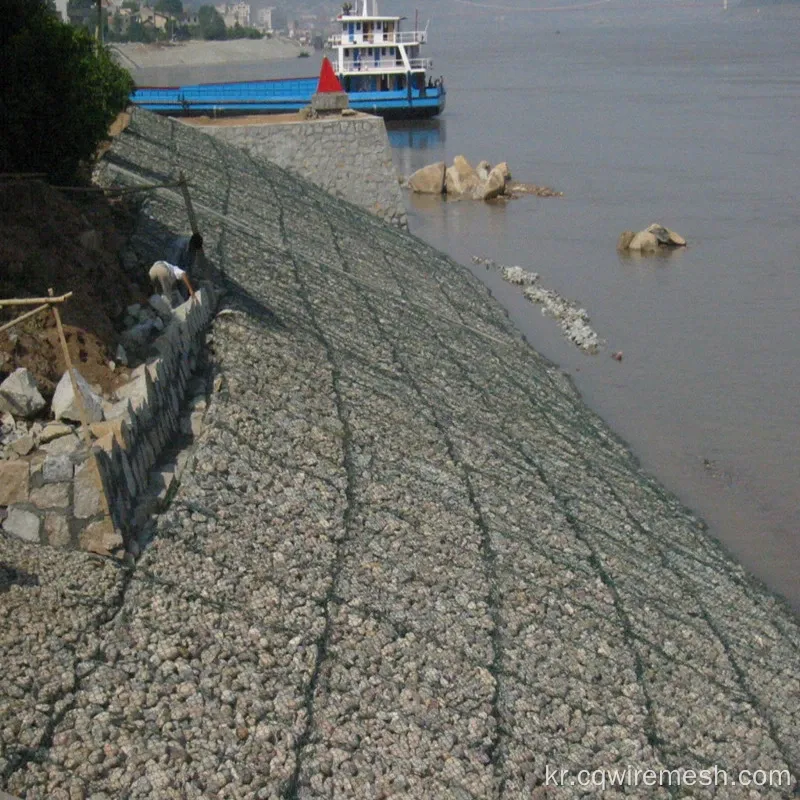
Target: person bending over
164, 277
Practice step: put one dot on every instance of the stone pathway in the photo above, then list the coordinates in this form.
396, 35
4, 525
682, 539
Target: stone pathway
404, 561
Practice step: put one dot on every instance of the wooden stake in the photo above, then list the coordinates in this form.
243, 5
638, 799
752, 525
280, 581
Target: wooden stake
75, 390
22, 317
188, 200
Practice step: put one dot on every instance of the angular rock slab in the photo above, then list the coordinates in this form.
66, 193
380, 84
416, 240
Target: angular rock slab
461, 178
23, 524
65, 404
428, 180
19, 394
14, 480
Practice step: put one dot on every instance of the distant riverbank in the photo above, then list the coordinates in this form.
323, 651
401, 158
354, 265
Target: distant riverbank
136, 56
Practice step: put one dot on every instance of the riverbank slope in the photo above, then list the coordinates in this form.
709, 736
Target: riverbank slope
405, 558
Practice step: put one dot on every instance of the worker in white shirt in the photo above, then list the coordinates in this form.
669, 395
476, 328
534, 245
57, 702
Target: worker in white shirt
164, 276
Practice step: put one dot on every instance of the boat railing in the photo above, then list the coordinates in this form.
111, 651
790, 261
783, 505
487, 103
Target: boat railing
385, 64
378, 37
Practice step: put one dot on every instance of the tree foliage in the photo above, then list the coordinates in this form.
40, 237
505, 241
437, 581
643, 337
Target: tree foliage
174, 7
58, 95
212, 25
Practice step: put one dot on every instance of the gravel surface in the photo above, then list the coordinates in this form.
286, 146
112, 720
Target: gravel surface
405, 560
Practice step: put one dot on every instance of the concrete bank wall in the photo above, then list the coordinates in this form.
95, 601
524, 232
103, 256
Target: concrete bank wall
350, 157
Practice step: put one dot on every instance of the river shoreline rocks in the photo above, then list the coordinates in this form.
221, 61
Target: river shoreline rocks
404, 559
572, 319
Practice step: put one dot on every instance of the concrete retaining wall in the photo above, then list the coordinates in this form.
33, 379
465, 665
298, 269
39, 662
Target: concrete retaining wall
350, 157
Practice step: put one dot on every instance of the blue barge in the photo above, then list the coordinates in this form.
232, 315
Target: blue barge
377, 64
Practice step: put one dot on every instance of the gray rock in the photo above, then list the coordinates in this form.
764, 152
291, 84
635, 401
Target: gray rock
56, 529
19, 394
57, 468
23, 524
121, 355
64, 445
88, 497
51, 495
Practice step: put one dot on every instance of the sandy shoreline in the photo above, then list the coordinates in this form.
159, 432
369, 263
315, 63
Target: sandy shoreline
135, 56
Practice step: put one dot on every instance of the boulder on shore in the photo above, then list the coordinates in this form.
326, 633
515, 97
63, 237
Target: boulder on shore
644, 242
493, 186
483, 182
428, 180
461, 178
665, 236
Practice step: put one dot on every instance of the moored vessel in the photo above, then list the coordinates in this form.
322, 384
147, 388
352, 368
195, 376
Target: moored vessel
379, 65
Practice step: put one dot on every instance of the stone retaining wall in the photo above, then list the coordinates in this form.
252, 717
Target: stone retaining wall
67, 495
350, 157
126, 455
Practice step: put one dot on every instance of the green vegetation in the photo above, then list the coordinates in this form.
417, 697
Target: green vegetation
59, 92
212, 25
174, 7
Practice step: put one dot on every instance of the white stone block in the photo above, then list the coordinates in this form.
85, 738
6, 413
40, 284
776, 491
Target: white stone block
19, 394
65, 404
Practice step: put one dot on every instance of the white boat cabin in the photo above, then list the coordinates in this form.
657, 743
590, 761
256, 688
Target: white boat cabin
374, 54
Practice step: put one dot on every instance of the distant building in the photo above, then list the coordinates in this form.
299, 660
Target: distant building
157, 19
271, 19
235, 14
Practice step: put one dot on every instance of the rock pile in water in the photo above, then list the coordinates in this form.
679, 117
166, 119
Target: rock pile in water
483, 182
653, 238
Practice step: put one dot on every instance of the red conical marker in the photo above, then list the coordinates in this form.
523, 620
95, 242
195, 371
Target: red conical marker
328, 82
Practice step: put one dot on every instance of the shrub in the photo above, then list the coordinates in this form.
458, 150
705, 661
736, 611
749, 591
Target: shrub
59, 92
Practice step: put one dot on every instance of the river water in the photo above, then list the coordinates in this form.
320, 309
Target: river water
684, 114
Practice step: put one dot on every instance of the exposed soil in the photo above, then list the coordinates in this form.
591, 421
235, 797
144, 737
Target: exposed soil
67, 242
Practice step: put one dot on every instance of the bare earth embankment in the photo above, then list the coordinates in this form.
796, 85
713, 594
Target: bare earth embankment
144, 56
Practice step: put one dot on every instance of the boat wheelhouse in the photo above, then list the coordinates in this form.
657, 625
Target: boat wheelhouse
373, 55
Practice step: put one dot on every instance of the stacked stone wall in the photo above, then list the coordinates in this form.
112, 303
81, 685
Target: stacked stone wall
350, 157
127, 455
68, 495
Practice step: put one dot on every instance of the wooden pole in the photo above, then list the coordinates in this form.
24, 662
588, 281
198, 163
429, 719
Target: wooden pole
188, 200
32, 301
75, 390
22, 317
